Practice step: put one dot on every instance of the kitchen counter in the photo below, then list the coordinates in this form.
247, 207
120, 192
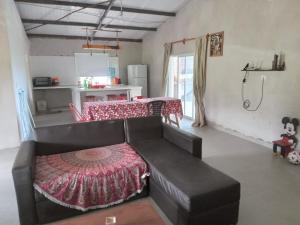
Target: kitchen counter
59, 97
55, 87
79, 95
108, 88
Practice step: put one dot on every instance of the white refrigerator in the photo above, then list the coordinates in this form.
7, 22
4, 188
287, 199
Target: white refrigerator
137, 76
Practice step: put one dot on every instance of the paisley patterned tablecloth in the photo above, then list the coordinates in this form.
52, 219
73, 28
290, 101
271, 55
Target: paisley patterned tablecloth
92, 178
110, 110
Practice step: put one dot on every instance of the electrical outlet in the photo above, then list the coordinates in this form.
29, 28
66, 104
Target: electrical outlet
263, 77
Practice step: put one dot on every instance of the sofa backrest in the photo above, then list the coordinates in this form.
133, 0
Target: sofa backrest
144, 128
76, 136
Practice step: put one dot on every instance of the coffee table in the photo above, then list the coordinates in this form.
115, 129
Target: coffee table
138, 212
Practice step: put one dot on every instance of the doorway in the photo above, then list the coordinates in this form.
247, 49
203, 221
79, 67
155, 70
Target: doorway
180, 82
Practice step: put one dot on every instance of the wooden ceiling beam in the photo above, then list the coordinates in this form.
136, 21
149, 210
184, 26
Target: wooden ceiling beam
30, 35
103, 7
84, 24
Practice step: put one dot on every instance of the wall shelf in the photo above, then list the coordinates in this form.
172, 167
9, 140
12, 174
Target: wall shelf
263, 70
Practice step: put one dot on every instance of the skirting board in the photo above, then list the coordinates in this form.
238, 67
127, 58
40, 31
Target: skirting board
240, 135
259, 141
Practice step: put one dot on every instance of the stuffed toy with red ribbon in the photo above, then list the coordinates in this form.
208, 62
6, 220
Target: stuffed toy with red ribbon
288, 140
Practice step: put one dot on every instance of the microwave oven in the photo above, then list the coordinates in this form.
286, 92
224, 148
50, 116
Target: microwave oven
42, 81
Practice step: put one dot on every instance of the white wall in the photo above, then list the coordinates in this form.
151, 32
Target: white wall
14, 76
254, 30
50, 66
130, 53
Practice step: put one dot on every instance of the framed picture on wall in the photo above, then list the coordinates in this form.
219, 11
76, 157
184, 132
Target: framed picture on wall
216, 44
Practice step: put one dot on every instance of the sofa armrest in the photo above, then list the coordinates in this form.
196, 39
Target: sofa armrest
184, 140
22, 172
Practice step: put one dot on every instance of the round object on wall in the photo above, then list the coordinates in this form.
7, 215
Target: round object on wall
294, 157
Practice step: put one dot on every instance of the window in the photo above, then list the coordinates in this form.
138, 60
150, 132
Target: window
103, 80
94, 65
180, 83
98, 68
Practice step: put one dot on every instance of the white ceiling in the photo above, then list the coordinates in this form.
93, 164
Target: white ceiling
53, 12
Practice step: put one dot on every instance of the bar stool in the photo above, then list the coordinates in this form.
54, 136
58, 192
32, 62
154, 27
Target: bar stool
122, 97
112, 97
90, 98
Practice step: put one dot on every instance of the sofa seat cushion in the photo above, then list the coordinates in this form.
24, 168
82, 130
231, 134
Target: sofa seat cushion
189, 181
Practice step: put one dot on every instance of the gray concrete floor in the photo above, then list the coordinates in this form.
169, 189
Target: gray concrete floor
270, 186
53, 119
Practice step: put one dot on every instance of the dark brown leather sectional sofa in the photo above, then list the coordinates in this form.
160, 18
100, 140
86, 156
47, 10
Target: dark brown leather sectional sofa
188, 191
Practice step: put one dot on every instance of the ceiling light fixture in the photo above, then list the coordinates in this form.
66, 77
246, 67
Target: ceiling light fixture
103, 47
89, 46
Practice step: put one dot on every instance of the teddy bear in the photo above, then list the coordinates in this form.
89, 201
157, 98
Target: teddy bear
288, 140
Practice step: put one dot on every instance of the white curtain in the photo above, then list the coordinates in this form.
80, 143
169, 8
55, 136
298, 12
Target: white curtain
167, 54
199, 80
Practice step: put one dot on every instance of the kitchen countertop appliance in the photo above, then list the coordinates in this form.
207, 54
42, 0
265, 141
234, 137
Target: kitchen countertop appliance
41, 81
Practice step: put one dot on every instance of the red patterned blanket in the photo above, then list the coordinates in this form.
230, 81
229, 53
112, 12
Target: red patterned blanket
92, 178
